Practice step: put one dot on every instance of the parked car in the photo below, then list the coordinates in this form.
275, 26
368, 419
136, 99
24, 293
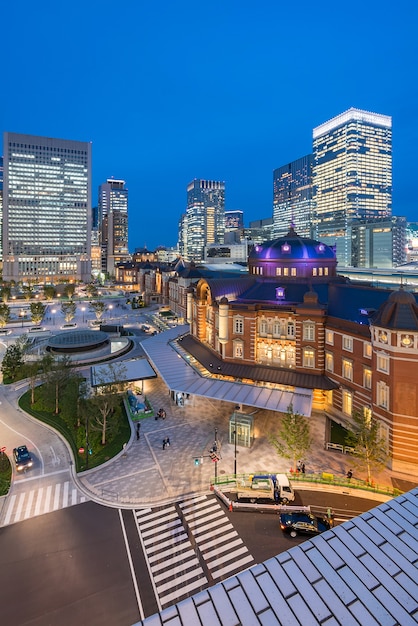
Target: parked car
22, 458
303, 524
68, 326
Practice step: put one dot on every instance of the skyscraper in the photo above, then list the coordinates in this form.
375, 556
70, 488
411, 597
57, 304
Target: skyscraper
47, 209
352, 175
292, 197
205, 214
113, 216
234, 226
1, 209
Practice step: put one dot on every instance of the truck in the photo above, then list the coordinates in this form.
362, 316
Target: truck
262, 488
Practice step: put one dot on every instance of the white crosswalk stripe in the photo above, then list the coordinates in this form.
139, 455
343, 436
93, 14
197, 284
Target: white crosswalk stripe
189, 547
34, 502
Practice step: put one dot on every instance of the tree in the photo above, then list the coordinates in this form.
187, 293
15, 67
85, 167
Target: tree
37, 311
12, 362
34, 370
68, 310
5, 293
107, 398
57, 376
49, 292
293, 439
4, 314
69, 290
99, 308
27, 291
91, 290
370, 449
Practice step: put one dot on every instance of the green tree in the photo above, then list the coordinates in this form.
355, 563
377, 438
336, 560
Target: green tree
6, 290
33, 370
370, 451
27, 291
49, 292
4, 314
56, 377
91, 290
99, 308
37, 311
68, 309
107, 399
69, 290
12, 362
293, 439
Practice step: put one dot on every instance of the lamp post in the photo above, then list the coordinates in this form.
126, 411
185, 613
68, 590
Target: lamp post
53, 316
216, 461
235, 440
110, 310
83, 308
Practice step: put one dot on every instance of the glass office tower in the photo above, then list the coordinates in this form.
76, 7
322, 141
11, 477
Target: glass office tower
352, 175
205, 214
292, 197
47, 209
1, 209
113, 216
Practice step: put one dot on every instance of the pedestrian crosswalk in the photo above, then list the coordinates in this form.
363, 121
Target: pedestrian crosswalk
28, 503
189, 546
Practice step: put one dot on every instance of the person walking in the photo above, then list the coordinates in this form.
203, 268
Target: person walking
302, 468
349, 474
138, 428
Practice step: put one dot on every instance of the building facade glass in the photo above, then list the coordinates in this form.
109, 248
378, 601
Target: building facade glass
113, 216
352, 175
205, 216
292, 197
47, 209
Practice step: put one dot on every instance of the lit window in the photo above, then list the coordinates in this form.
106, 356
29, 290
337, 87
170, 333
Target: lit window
263, 327
347, 402
325, 271
347, 343
382, 363
329, 337
314, 271
329, 361
367, 349
347, 369
285, 271
367, 413
238, 349
293, 271
238, 325
291, 329
367, 378
309, 331
382, 395
278, 271
308, 357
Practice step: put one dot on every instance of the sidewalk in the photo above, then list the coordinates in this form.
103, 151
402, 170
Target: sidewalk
145, 474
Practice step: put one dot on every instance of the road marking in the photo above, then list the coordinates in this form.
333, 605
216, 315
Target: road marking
9, 510
29, 504
131, 565
56, 497
39, 501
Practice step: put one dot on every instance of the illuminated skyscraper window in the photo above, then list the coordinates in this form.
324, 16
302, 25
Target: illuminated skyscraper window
113, 217
47, 209
205, 216
352, 175
292, 197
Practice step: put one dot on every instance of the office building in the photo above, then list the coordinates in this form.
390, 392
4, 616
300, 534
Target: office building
260, 230
378, 244
113, 216
292, 197
205, 215
352, 175
47, 209
234, 226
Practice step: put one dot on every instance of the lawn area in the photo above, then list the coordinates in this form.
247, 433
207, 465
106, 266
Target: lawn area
99, 454
5, 474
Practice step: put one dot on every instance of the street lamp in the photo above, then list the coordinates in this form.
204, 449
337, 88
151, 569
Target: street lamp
235, 440
53, 316
110, 309
83, 308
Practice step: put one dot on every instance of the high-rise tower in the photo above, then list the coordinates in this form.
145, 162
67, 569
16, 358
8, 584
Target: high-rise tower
205, 214
46, 209
292, 197
113, 216
352, 175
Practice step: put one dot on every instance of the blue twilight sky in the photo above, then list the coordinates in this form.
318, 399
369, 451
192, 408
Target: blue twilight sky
228, 89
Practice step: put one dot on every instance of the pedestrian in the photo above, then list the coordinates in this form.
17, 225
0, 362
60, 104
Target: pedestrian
138, 428
302, 467
167, 441
163, 414
349, 474
298, 466
164, 443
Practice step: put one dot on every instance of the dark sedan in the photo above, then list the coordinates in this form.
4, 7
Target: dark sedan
303, 524
22, 458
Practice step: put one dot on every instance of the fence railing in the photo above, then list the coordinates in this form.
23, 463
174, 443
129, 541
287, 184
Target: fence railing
339, 447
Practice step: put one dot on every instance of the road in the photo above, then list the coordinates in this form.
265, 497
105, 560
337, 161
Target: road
96, 565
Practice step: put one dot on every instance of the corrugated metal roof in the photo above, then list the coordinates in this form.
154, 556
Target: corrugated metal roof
180, 376
362, 572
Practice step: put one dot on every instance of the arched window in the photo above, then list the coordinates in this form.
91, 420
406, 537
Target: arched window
238, 325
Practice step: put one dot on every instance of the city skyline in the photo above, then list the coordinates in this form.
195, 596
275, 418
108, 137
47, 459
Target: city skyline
226, 95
